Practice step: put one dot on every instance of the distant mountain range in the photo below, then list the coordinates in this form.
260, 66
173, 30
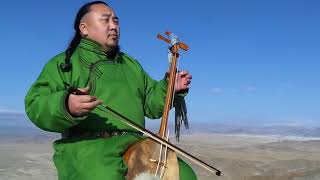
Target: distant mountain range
282, 130
18, 124
288, 129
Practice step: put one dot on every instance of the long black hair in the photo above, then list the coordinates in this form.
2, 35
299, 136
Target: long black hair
65, 67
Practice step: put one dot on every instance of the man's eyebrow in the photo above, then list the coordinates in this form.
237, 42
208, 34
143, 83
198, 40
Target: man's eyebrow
108, 16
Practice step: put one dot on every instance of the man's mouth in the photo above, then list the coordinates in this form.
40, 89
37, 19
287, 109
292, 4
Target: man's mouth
113, 35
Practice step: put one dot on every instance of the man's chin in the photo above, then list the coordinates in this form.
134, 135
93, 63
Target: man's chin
112, 42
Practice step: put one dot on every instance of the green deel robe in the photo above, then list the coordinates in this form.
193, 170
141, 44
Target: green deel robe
120, 83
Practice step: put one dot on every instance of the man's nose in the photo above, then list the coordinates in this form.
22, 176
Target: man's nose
113, 25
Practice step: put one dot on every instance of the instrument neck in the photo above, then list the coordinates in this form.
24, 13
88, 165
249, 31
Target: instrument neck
170, 91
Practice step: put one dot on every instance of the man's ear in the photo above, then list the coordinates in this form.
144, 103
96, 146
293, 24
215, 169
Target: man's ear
83, 29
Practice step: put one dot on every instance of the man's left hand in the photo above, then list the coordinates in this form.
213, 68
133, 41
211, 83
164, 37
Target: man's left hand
183, 80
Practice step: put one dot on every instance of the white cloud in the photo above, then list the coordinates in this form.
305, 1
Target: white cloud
216, 90
251, 88
11, 111
243, 89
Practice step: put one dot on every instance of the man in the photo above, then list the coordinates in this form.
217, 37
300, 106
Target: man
94, 141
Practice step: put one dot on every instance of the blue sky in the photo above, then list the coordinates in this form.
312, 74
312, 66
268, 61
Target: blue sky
253, 61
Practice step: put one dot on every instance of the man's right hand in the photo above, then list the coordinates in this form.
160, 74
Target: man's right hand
80, 105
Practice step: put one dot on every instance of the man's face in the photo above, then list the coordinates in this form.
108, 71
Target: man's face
101, 25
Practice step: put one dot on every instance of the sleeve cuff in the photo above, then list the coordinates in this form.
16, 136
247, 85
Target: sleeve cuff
65, 110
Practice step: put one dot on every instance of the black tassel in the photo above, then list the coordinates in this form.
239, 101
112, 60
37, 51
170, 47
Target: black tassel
180, 115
